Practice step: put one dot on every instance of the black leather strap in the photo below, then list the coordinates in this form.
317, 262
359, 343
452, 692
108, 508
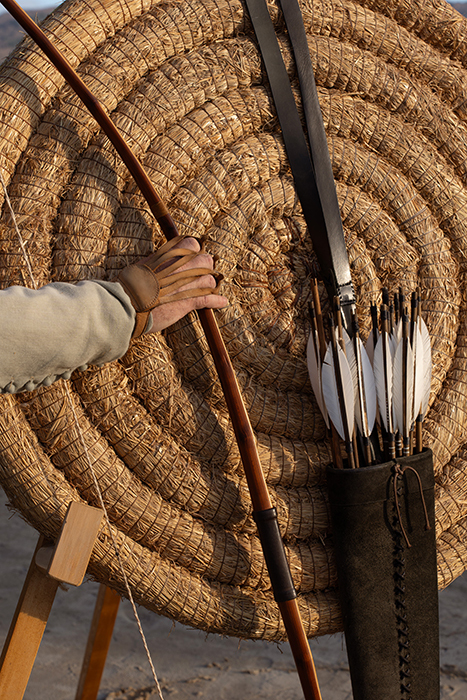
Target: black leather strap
274, 555
313, 177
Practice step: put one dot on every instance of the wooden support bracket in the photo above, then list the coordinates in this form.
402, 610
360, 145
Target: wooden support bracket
66, 561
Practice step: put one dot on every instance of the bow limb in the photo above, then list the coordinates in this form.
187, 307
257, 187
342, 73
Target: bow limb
273, 548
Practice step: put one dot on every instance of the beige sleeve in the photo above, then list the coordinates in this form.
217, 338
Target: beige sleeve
48, 333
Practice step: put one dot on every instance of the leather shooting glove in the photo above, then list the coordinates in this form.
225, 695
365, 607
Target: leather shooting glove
155, 280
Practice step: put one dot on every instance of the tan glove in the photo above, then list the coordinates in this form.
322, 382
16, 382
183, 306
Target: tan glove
154, 280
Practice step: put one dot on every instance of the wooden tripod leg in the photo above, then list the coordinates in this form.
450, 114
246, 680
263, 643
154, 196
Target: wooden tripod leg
100, 635
26, 631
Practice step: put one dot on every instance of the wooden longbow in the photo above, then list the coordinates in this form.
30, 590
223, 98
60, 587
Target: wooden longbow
264, 513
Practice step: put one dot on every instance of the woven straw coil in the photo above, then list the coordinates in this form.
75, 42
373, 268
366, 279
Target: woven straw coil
183, 82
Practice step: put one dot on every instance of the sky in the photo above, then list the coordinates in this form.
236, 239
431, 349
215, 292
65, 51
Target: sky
35, 4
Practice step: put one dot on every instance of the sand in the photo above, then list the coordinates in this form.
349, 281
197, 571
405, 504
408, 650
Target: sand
189, 664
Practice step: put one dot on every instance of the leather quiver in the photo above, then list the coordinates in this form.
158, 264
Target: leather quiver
387, 576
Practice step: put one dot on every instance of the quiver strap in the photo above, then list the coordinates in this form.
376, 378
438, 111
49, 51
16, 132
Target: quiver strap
155, 280
386, 566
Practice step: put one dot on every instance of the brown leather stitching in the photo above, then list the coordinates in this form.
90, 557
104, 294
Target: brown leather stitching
399, 472
155, 280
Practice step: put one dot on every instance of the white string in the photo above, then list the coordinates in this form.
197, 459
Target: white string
89, 461
114, 542
18, 233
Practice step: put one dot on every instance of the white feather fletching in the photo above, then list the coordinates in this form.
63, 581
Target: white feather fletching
419, 372
383, 381
314, 371
329, 387
368, 392
398, 388
395, 337
351, 359
370, 346
427, 366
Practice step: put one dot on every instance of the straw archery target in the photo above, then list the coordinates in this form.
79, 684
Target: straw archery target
183, 82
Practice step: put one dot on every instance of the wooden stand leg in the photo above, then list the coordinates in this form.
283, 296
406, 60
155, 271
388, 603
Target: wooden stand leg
65, 561
26, 630
100, 635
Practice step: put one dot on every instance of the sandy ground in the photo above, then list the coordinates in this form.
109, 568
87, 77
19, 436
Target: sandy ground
189, 664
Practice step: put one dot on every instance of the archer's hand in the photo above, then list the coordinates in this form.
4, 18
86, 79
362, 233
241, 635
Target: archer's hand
167, 285
165, 315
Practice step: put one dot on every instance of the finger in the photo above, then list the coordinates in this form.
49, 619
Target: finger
191, 243
202, 282
207, 301
167, 314
210, 301
187, 243
200, 260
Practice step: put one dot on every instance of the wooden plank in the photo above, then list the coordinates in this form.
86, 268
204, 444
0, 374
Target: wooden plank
68, 561
100, 636
26, 631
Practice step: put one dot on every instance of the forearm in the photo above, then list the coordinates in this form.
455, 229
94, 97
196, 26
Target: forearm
48, 333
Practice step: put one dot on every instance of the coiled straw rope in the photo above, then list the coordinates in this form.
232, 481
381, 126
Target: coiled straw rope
184, 84
98, 493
